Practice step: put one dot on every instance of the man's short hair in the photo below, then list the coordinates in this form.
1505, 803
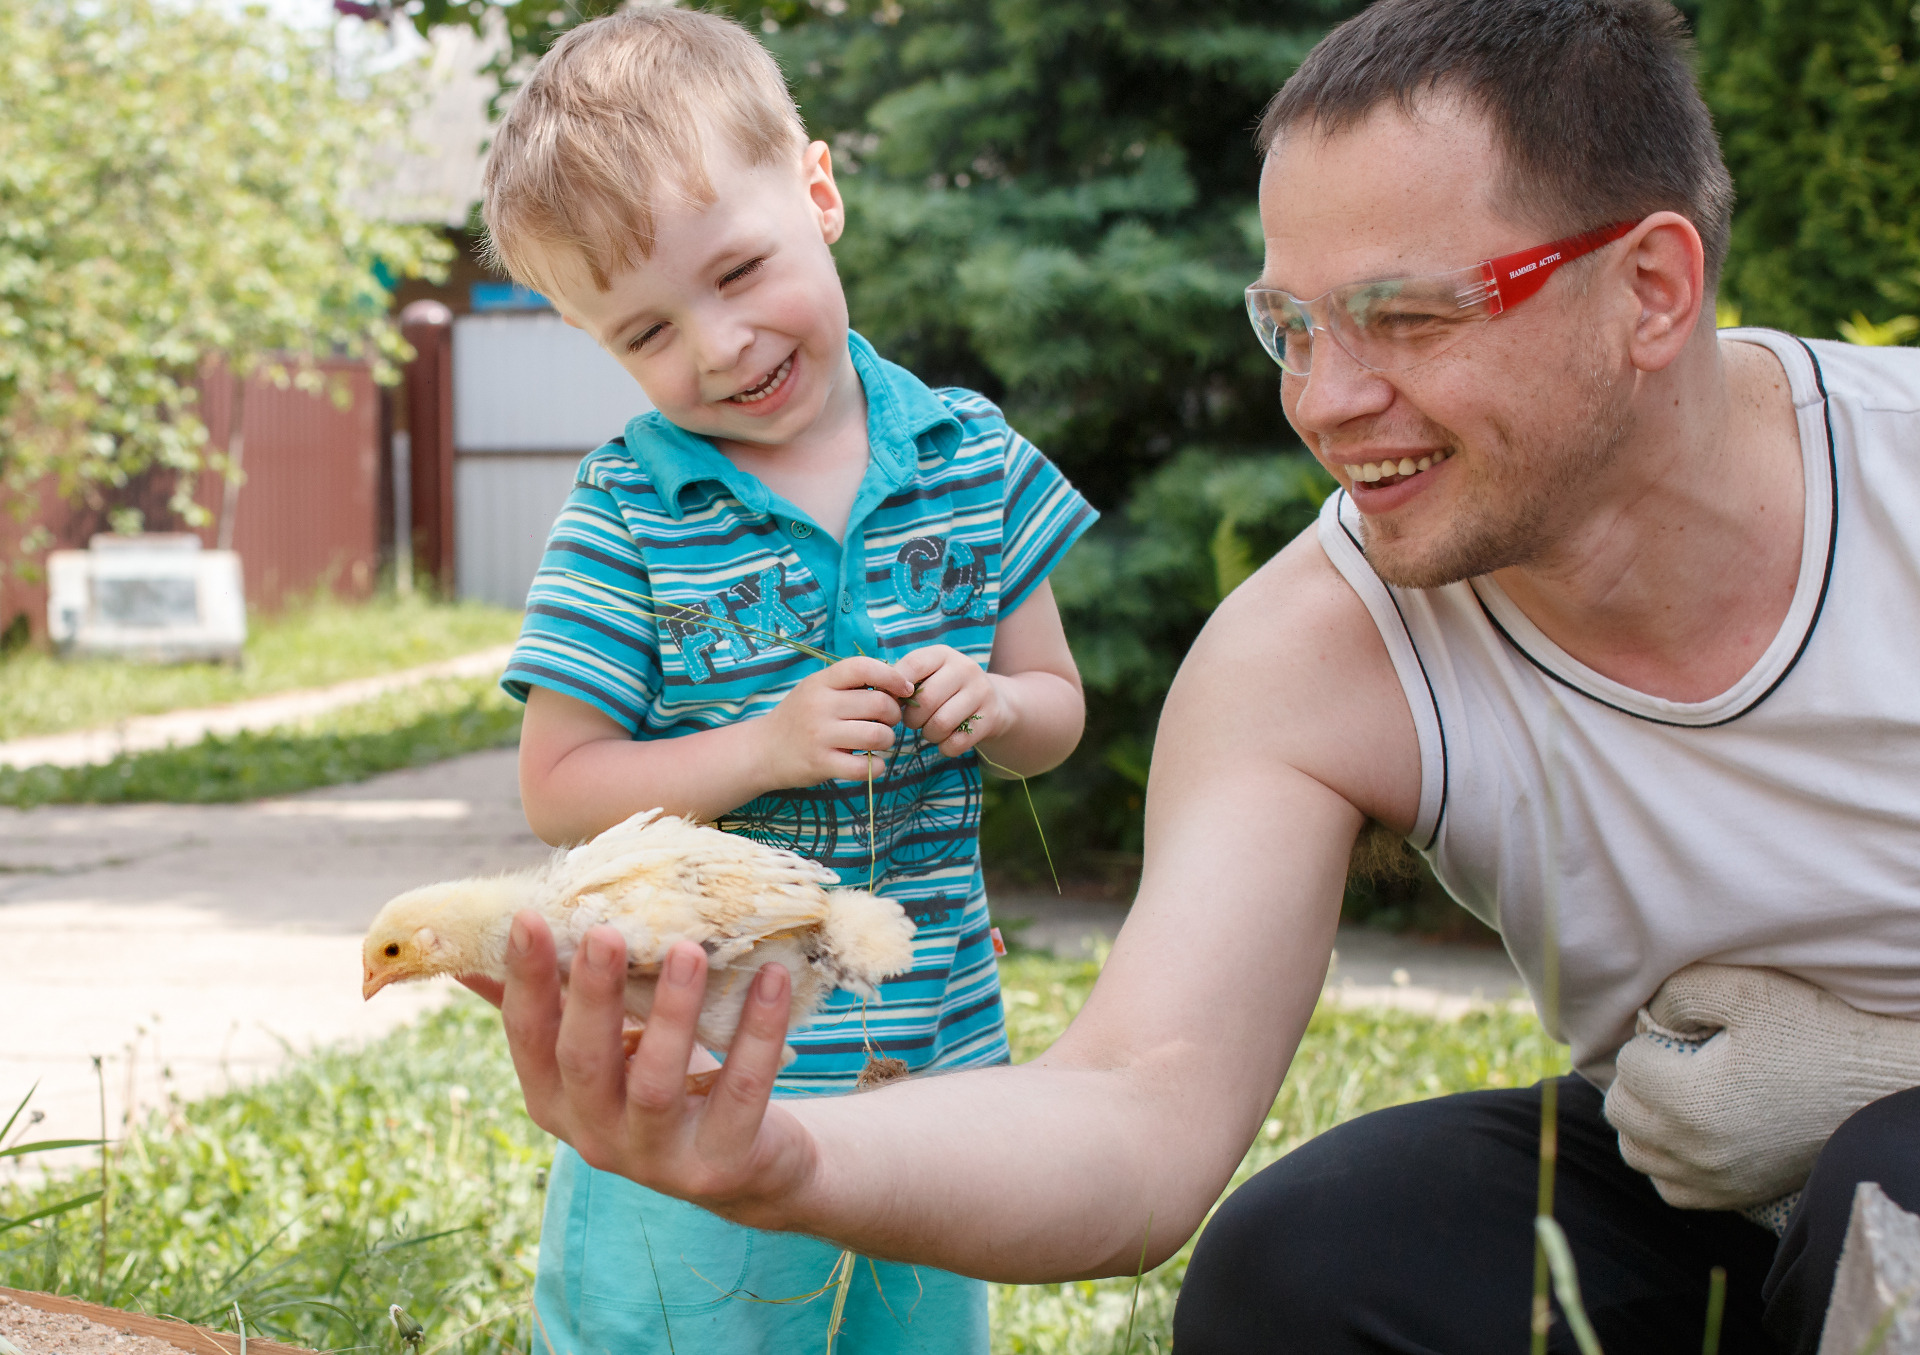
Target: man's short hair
1593, 102
619, 112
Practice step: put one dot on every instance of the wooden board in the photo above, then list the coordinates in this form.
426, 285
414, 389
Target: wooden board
199, 1340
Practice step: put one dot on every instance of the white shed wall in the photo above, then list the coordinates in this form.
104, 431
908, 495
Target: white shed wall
533, 383
503, 508
531, 396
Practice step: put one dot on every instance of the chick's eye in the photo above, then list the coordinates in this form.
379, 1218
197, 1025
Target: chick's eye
393, 949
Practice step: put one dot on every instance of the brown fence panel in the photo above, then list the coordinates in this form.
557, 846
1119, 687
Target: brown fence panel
307, 515
308, 511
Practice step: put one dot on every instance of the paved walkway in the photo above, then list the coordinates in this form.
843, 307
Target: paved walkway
145, 732
191, 946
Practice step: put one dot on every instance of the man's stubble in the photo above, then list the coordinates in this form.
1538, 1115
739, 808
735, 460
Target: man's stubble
1519, 491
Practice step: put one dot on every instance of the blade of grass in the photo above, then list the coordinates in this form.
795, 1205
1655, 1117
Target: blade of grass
1139, 1273
1716, 1310
77, 1202
658, 1288
7, 1128
844, 1268
1566, 1284
48, 1146
1044, 848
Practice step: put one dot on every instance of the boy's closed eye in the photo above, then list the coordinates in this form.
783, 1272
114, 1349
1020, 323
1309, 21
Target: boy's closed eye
731, 276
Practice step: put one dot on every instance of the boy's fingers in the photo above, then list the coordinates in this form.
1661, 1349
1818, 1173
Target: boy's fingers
855, 735
923, 663
530, 1012
589, 1053
867, 704
657, 1077
869, 672
739, 1099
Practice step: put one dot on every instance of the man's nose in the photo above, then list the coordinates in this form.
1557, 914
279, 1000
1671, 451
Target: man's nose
1335, 391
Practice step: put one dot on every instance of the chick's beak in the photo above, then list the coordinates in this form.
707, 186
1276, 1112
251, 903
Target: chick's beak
376, 980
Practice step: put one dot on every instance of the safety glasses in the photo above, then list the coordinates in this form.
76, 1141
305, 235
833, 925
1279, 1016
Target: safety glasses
1398, 322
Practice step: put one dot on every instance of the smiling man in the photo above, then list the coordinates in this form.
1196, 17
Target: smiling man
1613, 619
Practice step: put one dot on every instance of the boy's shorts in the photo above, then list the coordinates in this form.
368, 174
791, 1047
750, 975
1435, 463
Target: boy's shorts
626, 1271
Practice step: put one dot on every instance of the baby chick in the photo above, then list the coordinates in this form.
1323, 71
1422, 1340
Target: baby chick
657, 880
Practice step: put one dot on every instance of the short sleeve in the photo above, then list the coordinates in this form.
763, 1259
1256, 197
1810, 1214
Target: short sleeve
587, 633
1044, 515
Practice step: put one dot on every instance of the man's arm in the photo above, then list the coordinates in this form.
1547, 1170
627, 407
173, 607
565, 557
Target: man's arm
1285, 730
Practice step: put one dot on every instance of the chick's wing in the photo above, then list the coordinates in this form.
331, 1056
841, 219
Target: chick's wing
660, 879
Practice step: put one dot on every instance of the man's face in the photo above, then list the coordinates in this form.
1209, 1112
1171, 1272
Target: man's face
735, 326
1513, 422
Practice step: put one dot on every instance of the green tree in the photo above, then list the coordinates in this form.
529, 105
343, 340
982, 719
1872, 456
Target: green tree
179, 184
1818, 105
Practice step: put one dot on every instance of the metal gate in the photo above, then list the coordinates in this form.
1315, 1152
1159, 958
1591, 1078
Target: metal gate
531, 396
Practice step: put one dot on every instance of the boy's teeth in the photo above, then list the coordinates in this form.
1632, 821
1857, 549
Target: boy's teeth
1369, 472
765, 387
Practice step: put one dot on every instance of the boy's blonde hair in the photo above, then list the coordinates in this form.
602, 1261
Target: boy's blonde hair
620, 110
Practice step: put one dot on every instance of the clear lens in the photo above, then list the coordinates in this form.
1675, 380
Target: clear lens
1385, 325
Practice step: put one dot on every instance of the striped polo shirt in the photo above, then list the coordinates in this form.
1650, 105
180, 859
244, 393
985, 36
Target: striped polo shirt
672, 592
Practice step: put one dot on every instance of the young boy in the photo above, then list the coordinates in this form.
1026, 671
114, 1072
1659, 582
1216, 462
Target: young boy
792, 494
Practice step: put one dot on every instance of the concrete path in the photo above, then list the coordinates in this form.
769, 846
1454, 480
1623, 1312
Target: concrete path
87, 746
194, 946
1369, 968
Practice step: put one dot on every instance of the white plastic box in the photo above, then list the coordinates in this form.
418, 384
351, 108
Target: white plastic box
158, 597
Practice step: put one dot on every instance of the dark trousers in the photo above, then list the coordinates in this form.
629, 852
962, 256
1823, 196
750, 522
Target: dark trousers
1411, 1230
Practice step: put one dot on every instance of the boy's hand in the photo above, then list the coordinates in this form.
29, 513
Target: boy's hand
955, 703
852, 705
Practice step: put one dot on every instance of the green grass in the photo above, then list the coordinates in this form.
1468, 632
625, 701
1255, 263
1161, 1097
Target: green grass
408, 1173
408, 728
321, 642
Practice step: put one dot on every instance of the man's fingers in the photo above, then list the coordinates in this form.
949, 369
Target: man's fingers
656, 1080
491, 990
1702, 997
739, 1099
530, 1012
588, 1052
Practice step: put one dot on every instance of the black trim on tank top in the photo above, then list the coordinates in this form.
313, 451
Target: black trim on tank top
1819, 606
1440, 814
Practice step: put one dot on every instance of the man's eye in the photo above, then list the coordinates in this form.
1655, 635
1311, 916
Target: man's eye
745, 270
642, 339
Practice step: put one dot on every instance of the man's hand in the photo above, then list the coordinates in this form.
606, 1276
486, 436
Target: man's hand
823, 728
954, 701
730, 1150
1736, 1078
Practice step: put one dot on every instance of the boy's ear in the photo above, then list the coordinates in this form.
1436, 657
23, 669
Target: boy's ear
816, 170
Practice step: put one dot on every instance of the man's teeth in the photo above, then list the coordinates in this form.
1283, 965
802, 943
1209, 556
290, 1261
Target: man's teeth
1371, 471
764, 388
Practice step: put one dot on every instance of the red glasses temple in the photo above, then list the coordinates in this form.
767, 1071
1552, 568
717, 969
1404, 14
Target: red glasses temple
1512, 278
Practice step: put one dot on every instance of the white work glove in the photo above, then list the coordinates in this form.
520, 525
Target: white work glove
1736, 1077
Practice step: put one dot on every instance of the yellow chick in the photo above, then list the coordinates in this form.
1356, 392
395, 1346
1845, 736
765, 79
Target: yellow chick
657, 879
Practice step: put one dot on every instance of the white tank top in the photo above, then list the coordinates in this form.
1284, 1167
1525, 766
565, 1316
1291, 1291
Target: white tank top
1777, 824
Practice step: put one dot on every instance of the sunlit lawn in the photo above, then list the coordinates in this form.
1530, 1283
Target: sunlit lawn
408, 1172
311, 645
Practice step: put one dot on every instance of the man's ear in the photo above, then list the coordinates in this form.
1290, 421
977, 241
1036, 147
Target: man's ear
1666, 272
823, 194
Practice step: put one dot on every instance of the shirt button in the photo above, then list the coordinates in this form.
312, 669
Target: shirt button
846, 601
802, 530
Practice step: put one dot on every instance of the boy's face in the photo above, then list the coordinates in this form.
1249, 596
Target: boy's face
735, 326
